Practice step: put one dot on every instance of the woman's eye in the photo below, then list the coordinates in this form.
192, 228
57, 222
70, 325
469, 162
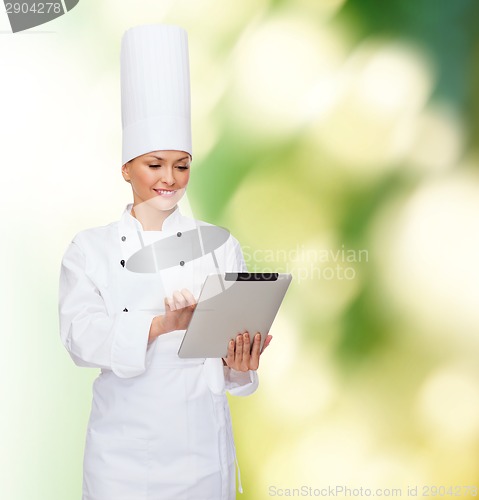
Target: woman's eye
179, 167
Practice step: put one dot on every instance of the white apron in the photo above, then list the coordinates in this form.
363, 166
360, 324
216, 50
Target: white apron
165, 433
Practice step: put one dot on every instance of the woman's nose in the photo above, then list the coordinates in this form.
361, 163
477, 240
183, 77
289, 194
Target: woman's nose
167, 177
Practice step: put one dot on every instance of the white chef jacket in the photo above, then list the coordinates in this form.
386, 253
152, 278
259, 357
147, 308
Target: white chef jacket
160, 426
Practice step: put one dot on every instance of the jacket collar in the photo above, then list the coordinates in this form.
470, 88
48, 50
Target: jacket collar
170, 224
130, 229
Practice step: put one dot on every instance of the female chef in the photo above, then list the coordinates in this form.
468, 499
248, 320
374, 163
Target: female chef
160, 426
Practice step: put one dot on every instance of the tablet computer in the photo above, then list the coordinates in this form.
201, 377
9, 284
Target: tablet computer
229, 304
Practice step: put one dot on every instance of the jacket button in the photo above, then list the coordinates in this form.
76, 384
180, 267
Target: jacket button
178, 234
125, 310
123, 238
122, 262
182, 262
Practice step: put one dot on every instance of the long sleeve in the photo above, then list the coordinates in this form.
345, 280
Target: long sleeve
94, 336
236, 262
239, 383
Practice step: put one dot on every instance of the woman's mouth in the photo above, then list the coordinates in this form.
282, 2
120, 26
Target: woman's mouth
167, 193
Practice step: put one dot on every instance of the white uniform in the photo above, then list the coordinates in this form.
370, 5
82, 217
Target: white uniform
160, 426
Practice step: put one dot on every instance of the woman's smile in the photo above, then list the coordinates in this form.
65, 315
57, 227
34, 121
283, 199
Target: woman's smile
167, 193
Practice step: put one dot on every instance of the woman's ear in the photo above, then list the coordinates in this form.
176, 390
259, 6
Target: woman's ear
125, 171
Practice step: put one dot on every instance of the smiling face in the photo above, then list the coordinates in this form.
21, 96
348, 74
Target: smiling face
158, 178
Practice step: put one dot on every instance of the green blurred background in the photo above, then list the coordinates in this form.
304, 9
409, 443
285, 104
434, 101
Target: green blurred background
337, 140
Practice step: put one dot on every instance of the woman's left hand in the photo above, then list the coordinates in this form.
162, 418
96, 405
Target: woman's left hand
240, 355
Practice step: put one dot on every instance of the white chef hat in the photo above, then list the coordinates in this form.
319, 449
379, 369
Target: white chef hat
155, 90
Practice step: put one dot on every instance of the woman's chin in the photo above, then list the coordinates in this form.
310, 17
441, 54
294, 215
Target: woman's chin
165, 203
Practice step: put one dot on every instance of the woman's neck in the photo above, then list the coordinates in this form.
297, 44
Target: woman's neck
150, 217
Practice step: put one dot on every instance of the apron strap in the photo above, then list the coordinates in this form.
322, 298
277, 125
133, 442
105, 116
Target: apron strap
240, 487
233, 447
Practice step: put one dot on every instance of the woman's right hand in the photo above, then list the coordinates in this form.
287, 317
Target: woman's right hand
178, 312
